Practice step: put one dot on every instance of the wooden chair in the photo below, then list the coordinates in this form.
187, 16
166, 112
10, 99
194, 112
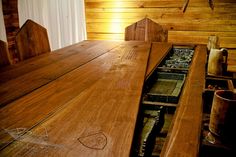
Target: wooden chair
32, 40
4, 54
146, 30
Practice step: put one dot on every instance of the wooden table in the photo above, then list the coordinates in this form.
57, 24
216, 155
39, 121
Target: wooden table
82, 100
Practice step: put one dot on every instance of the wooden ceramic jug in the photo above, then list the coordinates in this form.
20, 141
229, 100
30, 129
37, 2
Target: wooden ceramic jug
216, 61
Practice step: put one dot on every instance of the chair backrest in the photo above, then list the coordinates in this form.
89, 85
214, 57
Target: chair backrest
32, 40
146, 30
4, 54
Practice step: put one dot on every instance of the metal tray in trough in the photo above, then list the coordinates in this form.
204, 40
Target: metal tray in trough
178, 60
166, 88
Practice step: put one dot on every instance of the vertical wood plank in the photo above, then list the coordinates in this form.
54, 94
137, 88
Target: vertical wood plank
184, 136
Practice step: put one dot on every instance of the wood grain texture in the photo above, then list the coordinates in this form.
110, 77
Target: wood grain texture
4, 54
158, 51
225, 39
98, 122
146, 30
32, 40
227, 1
42, 103
183, 139
28, 82
120, 27
31, 64
105, 19
231, 63
151, 4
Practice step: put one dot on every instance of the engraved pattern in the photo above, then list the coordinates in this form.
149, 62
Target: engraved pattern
94, 141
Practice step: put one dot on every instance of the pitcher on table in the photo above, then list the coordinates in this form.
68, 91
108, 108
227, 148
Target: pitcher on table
216, 62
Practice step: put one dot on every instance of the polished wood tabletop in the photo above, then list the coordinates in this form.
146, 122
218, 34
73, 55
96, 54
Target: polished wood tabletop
81, 100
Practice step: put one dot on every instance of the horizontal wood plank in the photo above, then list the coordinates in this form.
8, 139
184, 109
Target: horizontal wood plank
119, 27
171, 19
152, 4
16, 70
165, 10
216, 1
226, 39
16, 88
155, 15
202, 33
106, 36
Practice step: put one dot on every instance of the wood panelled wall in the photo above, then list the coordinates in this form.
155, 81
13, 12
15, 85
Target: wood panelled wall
107, 19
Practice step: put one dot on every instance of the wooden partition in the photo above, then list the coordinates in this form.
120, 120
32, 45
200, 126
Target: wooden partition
107, 19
